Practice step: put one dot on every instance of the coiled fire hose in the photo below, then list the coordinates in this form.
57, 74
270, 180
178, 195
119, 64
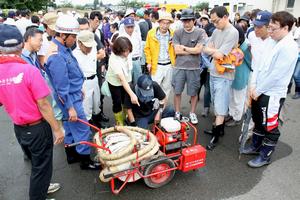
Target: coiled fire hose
126, 144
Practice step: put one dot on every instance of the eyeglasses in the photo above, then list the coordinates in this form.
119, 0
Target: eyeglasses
216, 21
271, 29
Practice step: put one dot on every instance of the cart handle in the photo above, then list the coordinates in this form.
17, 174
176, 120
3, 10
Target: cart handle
195, 132
90, 125
87, 143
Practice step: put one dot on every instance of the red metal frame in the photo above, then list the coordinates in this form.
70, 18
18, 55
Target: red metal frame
136, 170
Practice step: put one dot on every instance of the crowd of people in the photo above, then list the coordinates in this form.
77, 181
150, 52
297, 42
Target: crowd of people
56, 68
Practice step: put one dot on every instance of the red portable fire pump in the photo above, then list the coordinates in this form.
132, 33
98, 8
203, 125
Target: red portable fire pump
175, 153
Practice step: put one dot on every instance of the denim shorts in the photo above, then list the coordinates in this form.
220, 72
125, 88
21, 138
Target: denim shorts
190, 77
220, 94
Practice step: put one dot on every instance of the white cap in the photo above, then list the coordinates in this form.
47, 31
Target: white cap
129, 11
87, 38
67, 24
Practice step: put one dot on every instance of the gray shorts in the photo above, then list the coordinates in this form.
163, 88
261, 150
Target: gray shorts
190, 77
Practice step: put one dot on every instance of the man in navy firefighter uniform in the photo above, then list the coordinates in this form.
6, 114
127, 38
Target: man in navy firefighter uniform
67, 80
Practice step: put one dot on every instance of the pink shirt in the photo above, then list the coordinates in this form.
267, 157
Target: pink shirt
21, 85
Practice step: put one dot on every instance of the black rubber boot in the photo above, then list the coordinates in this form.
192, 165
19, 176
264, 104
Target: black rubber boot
215, 137
222, 132
87, 163
72, 155
96, 121
256, 144
101, 117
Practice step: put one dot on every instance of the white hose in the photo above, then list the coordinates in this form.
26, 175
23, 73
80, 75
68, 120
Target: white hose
124, 155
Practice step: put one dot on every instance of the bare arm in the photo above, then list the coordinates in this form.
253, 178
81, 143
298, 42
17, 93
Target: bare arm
194, 50
101, 54
47, 113
179, 50
127, 88
210, 50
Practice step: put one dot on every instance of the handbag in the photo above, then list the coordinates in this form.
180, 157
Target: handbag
105, 89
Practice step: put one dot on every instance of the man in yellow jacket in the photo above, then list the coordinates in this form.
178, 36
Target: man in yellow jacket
159, 51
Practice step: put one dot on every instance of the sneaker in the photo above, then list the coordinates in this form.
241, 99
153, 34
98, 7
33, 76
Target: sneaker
193, 118
53, 187
177, 116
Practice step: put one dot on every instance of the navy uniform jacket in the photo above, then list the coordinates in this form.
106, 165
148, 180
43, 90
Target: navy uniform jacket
64, 73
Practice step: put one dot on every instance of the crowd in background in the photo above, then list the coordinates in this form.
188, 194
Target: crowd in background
143, 59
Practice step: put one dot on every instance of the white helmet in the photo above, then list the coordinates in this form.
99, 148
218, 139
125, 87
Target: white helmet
129, 11
67, 24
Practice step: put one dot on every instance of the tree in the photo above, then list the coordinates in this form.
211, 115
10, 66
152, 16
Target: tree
201, 6
66, 5
33, 5
131, 4
96, 4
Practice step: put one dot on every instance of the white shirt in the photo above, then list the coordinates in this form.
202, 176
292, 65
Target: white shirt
155, 25
118, 65
97, 32
136, 41
297, 36
22, 24
45, 45
87, 63
273, 77
258, 47
176, 25
10, 21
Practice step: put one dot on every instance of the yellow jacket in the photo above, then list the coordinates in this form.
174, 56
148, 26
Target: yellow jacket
152, 50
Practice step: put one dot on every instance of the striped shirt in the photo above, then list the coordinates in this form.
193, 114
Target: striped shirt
164, 56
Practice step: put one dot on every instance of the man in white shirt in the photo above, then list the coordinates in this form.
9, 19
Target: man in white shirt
48, 22
269, 87
10, 20
24, 21
86, 55
136, 42
259, 38
259, 41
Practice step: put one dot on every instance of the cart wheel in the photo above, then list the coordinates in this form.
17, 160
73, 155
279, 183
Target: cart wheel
159, 180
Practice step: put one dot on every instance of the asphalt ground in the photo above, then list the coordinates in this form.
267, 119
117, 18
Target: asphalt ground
225, 176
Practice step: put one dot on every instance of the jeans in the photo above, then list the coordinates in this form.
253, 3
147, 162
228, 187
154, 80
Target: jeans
136, 70
207, 97
143, 122
37, 143
296, 76
220, 94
